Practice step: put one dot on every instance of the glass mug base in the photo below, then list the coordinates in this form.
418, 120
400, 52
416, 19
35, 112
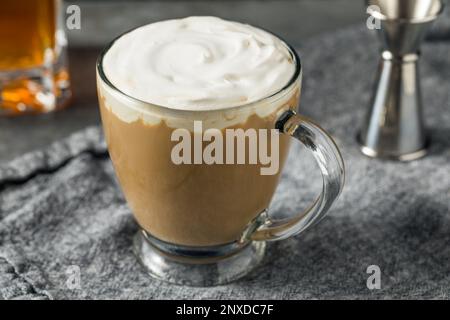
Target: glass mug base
35, 90
196, 266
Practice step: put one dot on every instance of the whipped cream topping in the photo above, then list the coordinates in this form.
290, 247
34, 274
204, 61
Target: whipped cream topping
198, 63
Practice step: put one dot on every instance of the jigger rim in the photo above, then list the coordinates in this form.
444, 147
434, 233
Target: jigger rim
380, 16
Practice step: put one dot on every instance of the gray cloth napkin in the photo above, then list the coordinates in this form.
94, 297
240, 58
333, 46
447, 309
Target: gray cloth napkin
62, 213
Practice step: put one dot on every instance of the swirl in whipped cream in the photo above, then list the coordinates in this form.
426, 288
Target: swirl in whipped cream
198, 63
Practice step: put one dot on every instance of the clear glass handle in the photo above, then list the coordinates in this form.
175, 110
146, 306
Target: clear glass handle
331, 165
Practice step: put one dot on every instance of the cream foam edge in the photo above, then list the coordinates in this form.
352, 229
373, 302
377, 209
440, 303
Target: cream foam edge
129, 110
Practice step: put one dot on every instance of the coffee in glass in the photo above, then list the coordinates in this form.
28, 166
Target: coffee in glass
210, 81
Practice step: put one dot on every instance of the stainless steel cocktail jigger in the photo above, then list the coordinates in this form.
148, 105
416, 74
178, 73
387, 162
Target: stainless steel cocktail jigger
393, 127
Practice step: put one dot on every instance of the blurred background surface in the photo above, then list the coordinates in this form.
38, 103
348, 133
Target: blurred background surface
102, 20
295, 20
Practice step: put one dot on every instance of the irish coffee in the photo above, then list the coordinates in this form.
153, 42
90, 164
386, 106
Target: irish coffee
209, 66
198, 114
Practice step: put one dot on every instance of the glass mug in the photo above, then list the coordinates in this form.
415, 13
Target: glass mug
207, 224
33, 61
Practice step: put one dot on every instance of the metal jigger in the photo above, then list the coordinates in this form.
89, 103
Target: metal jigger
393, 127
